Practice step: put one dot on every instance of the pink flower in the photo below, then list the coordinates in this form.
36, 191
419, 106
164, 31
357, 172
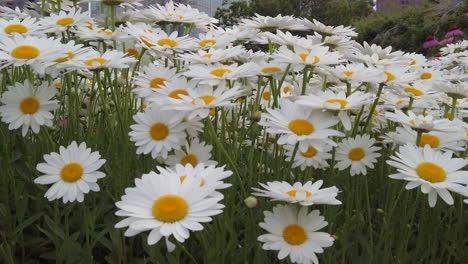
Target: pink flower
446, 41
63, 122
453, 31
430, 42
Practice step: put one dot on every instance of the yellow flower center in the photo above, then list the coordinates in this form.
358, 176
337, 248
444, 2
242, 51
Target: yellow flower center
342, 102
303, 56
107, 32
390, 77
203, 43
170, 42
301, 127
90, 24
266, 96
427, 139
71, 172
399, 102
69, 56
157, 82
220, 72
356, 154
431, 172
159, 131
189, 158
29, 105
16, 28
271, 69
175, 94
293, 193
206, 98
294, 235
426, 75
65, 21
170, 208
348, 73
147, 43
286, 89
414, 91
92, 62
25, 52
133, 53
59, 84
311, 152
413, 62
448, 116
316, 60
207, 56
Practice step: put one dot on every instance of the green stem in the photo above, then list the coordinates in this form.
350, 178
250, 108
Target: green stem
454, 106
374, 105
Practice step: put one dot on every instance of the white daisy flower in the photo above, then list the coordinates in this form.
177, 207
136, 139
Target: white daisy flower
212, 55
218, 73
358, 72
435, 171
267, 23
211, 40
359, 153
297, 124
26, 26
421, 122
173, 88
204, 99
314, 55
37, 52
157, 132
167, 206
195, 153
73, 172
152, 78
94, 60
305, 194
64, 20
316, 156
28, 107
293, 232
328, 30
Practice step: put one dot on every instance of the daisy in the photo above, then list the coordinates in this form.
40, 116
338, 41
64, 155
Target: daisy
435, 171
28, 50
73, 172
329, 100
316, 156
316, 55
359, 153
195, 153
212, 55
204, 100
94, 60
218, 73
283, 38
267, 23
293, 232
122, 3
421, 122
212, 40
173, 88
328, 30
27, 106
455, 90
305, 194
207, 175
157, 132
358, 72
273, 68
167, 206
297, 124
26, 26
64, 20
154, 77
164, 44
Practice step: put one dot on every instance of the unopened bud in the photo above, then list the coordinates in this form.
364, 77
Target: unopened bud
256, 116
251, 202
160, 159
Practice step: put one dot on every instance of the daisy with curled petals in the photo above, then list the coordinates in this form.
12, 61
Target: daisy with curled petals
421, 122
328, 30
167, 206
27, 106
305, 194
207, 175
157, 132
94, 60
152, 78
297, 124
273, 68
316, 156
28, 50
73, 172
219, 73
267, 23
292, 231
435, 171
26, 26
64, 20
359, 153
196, 152
204, 100
312, 56
336, 102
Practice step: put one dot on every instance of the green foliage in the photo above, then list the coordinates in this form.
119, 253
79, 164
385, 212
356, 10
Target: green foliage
229, 16
407, 30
